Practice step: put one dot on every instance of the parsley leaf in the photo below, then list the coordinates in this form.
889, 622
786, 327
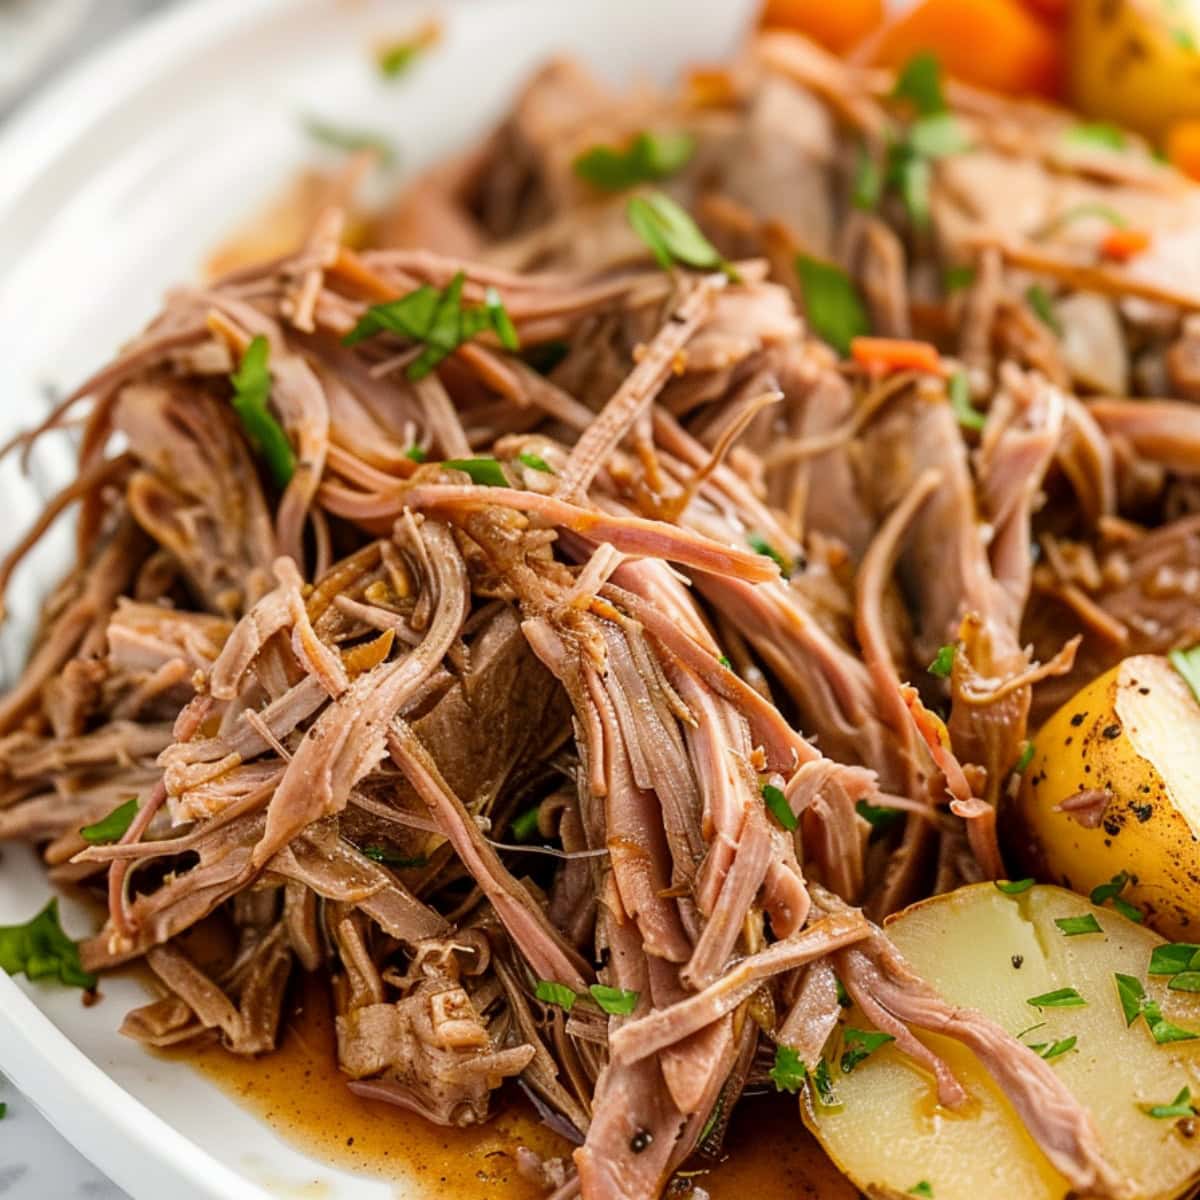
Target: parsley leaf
789, 1073
251, 392
922, 1188
943, 662
777, 802
1181, 1106
1187, 663
650, 157
937, 135
860, 1044
1129, 911
113, 827
969, 417
619, 1001
1132, 996
550, 992
438, 319
826, 1096
1066, 997
417, 453
390, 858
831, 303
1097, 133
1074, 926
724, 661
1162, 1030
672, 235
957, 277
40, 949
342, 138
484, 471
1185, 981
525, 825
1111, 891
1174, 957
760, 545
879, 817
535, 462
920, 83
3, 1110
868, 180
1013, 887
1049, 1050
1038, 299
1025, 758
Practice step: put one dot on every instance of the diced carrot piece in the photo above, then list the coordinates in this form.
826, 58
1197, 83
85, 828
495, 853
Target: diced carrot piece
836, 24
996, 44
1124, 244
710, 87
895, 354
1183, 145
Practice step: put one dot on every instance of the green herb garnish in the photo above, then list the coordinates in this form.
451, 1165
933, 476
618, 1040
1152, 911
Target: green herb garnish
1074, 926
525, 825
832, 303
943, 662
342, 138
760, 545
1112, 891
439, 320
1181, 1106
1174, 957
251, 393
843, 996
1014, 887
826, 1095
1129, 911
484, 471
113, 827
920, 83
1132, 996
969, 417
1038, 299
724, 661
789, 1073
392, 858
417, 453
860, 1044
535, 462
616, 1001
922, 1188
880, 818
1025, 759
1049, 1050
1162, 1030
672, 235
778, 804
3, 1110
1066, 997
1097, 133
650, 157
868, 180
937, 136
955, 278
550, 992
41, 950
1187, 663
1185, 981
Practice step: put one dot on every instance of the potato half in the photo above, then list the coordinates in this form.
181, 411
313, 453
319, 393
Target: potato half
985, 950
1132, 734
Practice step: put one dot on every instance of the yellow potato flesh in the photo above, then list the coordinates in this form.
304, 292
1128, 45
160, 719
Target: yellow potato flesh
1135, 62
1134, 731
890, 1133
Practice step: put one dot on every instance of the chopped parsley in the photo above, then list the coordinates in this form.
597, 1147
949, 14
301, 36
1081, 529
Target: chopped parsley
955, 278
1074, 926
1066, 997
959, 389
777, 802
1129, 911
439, 320
920, 84
1135, 1003
417, 453
826, 1096
943, 662
868, 180
880, 818
113, 827
936, 136
673, 237
1013, 887
484, 471
1025, 759
340, 137
3, 1110
843, 996
1181, 1106
395, 58
1078, 211
760, 545
724, 661
251, 394
1049, 1050
559, 994
41, 950
860, 1044
525, 825
922, 1188
392, 858
1187, 663
1111, 891
650, 157
618, 1001
831, 303
1038, 299
1174, 957
535, 462
789, 1073
1132, 996
1097, 133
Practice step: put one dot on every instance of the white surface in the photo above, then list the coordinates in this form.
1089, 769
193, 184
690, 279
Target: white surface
114, 184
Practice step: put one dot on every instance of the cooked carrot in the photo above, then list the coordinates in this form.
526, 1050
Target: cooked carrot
1183, 145
710, 87
997, 44
1124, 244
836, 24
895, 354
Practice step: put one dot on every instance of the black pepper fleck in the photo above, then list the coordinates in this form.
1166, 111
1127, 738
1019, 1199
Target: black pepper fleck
1143, 812
1111, 826
1145, 691
641, 1141
1017, 960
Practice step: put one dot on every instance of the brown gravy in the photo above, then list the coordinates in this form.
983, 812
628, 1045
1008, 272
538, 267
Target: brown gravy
302, 1095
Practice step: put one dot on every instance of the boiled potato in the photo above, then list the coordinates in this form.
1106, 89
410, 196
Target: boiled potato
985, 950
1136, 62
1134, 731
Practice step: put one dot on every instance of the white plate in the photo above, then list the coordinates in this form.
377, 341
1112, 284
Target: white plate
113, 186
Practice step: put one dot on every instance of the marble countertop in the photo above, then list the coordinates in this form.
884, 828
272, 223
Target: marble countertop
36, 1163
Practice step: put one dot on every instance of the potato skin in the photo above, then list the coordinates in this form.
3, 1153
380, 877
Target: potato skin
1085, 746
1133, 62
